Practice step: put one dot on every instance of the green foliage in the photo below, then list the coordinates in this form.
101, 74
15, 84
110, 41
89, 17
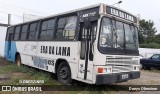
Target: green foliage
157, 38
147, 35
141, 38
150, 45
147, 28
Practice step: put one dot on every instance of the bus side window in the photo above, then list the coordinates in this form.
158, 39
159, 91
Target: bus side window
32, 31
93, 31
66, 28
83, 38
16, 33
60, 28
70, 27
43, 30
24, 32
50, 30
47, 30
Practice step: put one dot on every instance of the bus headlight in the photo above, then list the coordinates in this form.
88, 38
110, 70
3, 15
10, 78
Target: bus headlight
104, 70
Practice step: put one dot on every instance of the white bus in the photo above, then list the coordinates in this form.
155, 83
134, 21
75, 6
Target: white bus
95, 45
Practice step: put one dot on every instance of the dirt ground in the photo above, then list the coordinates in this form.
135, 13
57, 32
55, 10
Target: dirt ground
147, 78
3, 62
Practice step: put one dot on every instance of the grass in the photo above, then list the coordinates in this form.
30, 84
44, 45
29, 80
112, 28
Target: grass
27, 73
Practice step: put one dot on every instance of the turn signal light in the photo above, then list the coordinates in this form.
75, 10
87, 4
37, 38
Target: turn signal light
100, 70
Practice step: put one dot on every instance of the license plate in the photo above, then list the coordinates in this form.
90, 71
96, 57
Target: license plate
124, 76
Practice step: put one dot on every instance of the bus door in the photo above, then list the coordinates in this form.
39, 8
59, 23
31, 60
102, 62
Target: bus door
9, 45
87, 36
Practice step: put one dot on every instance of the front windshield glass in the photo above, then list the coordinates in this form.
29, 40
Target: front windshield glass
106, 34
120, 35
129, 37
117, 35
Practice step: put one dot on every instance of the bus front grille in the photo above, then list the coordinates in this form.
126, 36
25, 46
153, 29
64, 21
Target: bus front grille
121, 64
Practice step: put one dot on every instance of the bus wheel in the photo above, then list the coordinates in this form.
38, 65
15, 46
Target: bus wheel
64, 73
18, 61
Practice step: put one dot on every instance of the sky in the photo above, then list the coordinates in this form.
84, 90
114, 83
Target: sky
148, 9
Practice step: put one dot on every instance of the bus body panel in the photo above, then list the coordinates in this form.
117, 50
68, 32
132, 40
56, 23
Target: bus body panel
35, 54
43, 55
10, 50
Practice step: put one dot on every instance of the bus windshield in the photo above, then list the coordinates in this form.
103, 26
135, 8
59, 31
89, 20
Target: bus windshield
117, 37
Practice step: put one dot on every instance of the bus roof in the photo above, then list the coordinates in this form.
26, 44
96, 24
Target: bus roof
73, 11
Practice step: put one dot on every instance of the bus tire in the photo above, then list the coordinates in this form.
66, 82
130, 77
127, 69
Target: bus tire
18, 61
64, 73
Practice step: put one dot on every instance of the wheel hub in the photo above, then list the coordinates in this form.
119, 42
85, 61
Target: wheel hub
64, 73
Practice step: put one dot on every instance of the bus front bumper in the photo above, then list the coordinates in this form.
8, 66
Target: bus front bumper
116, 77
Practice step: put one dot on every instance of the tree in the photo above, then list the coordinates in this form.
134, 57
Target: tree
157, 38
141, 37
147, 31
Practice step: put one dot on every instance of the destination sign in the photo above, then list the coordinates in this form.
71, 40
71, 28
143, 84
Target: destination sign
92, 14
121, 14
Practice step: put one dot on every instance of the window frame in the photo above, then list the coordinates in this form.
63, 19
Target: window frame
113, 50
110, 32
63, 33
57, 28
37, 31
24, 32
41, 30
28, 33
15, 33
8, 32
